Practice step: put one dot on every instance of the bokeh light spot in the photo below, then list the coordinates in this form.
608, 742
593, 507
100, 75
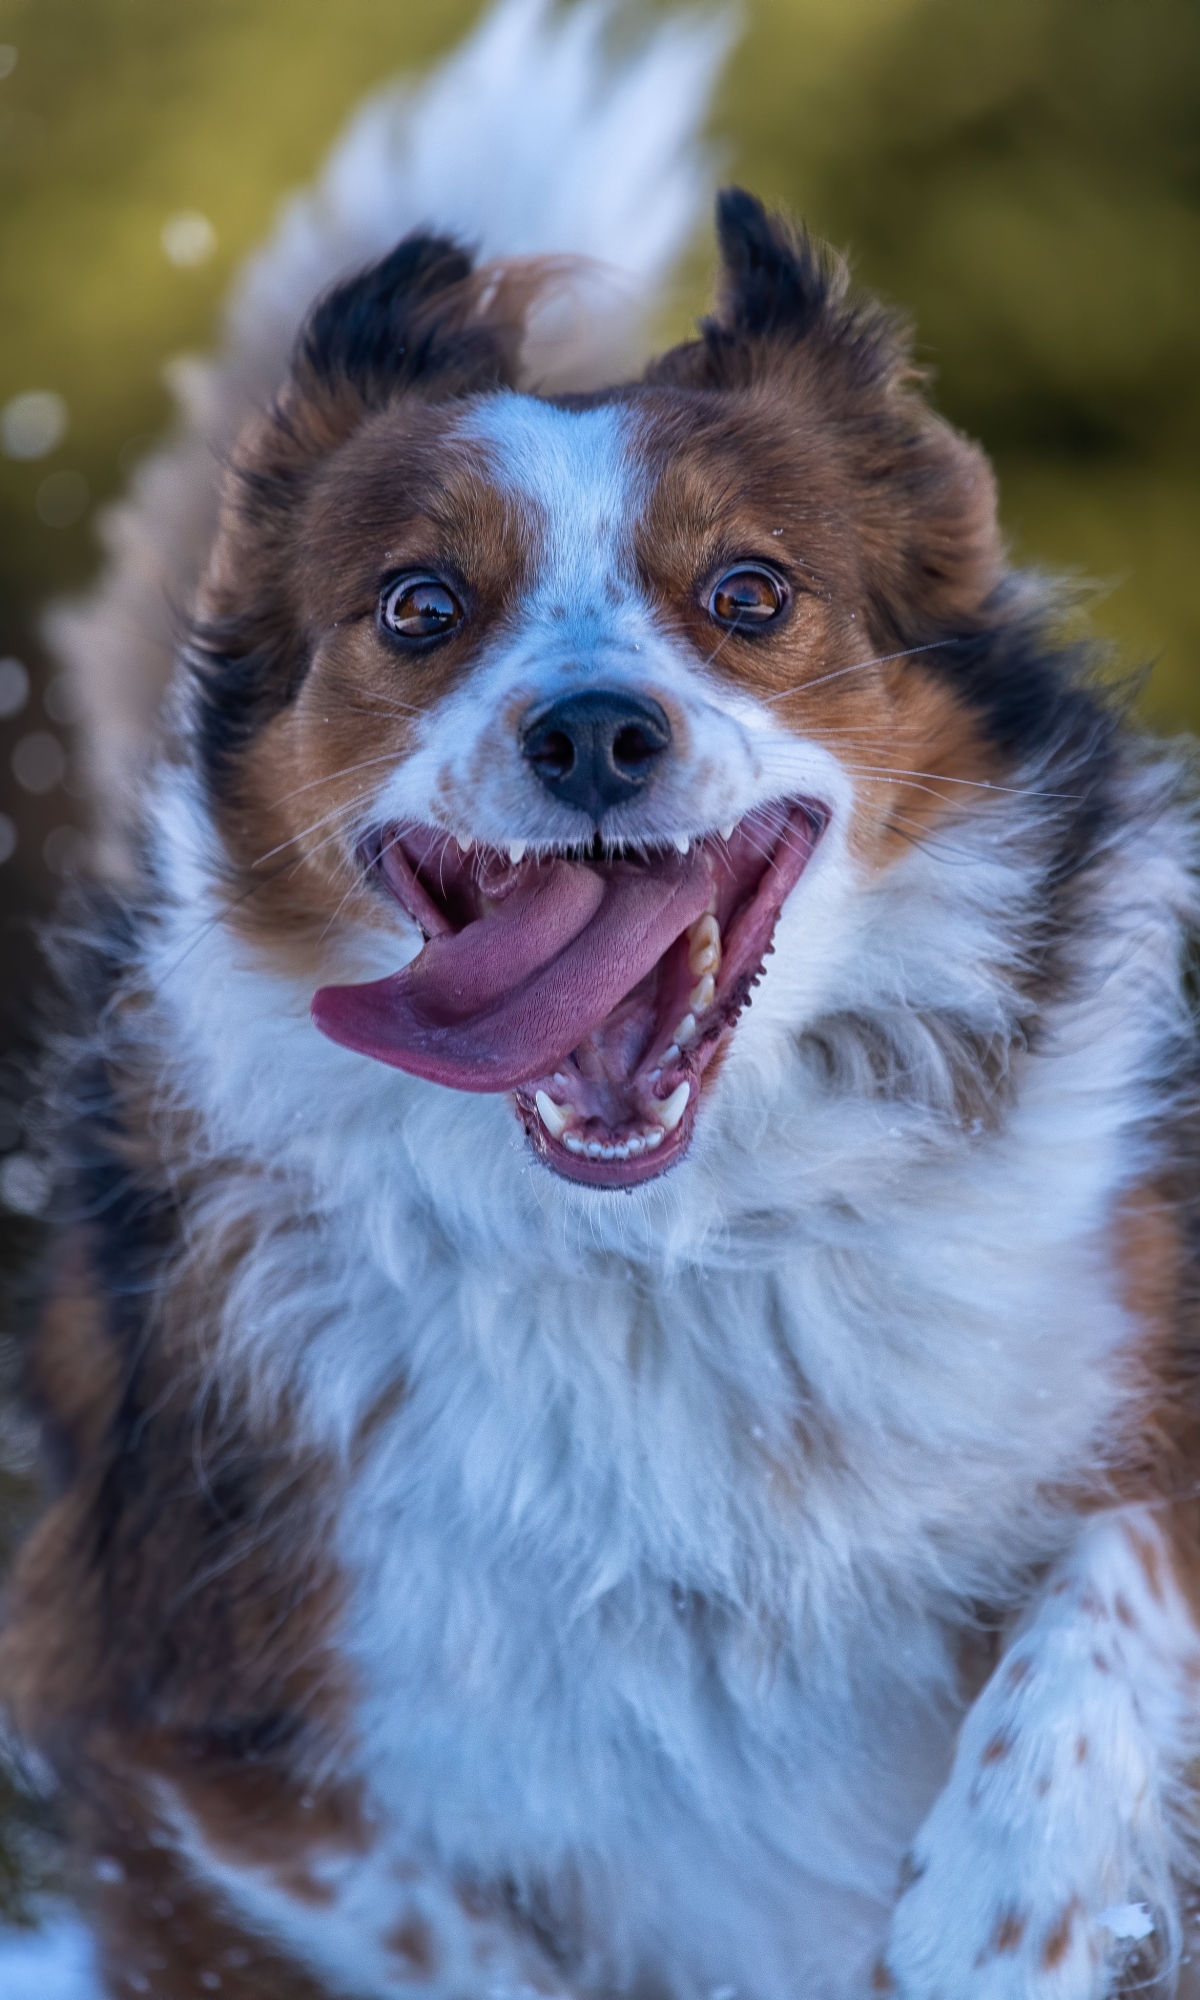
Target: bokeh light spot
8, 838
62, 499
188, 238
32, 424
24, 1184
39, 761
14, 686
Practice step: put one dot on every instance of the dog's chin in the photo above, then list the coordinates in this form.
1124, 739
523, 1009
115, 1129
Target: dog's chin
598, 987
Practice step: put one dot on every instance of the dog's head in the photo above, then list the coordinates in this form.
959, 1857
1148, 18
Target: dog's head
551, 705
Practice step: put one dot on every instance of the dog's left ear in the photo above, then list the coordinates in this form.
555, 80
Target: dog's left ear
421, 320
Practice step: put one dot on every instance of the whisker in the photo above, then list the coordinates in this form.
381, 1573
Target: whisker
976, 784
860, 666
331, 777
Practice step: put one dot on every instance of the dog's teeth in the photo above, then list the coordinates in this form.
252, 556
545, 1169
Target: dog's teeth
727, 831
516, 850
701, 995
573, 1143
704, 946
669, 1056
672, 1109
555, 1117
685, 1033
653, 1139
466, 842
682, 842
594, 1150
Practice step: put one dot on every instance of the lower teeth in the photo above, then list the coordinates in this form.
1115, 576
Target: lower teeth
624, 1149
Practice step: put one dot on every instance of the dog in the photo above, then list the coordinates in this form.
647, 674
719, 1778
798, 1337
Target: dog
620, 1372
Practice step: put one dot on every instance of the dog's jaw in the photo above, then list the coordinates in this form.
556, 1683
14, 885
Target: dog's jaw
597, 988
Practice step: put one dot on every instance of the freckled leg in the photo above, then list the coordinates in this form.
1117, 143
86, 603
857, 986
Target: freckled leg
1058, 1818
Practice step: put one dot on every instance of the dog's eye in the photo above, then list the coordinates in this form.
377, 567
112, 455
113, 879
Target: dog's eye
419, 607
747, 596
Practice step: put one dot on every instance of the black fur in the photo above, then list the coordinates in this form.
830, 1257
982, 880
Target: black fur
776, 279
400, 324
240, 680
779, 286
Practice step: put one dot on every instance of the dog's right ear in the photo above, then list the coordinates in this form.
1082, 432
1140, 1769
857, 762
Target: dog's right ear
421, 320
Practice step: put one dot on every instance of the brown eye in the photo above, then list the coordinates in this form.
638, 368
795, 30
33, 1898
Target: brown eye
747, 596
419, 607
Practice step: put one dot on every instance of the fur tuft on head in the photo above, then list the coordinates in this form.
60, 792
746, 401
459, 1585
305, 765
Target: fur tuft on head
783, 294
410, 321
776, 279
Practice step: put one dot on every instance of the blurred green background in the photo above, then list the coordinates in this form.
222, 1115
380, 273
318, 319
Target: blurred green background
1023, 176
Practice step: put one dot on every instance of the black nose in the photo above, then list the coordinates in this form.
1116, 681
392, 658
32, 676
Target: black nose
598, 749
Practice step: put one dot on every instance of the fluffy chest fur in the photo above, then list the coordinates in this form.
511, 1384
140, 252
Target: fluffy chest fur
674, 1537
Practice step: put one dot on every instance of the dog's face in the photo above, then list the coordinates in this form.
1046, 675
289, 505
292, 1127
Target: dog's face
569, 699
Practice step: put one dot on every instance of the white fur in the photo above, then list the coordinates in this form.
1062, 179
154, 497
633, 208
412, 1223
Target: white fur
1066, 1781
56, 1962
614, 1626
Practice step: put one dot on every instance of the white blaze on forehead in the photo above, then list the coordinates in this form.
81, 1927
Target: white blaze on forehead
578, 474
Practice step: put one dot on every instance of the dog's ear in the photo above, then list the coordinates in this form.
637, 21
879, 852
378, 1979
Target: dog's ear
421, 320
837, 374
781, 295
776, 282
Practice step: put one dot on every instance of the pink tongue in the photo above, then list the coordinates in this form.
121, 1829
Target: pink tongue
510, 995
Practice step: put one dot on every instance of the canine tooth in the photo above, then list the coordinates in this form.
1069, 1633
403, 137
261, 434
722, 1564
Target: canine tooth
516, 850
682, 842
672, 1109
727, 831
555, 1117
701, 995
685, 1033
466, 842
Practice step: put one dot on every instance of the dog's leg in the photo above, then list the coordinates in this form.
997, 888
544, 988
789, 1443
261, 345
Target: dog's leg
1050, 1852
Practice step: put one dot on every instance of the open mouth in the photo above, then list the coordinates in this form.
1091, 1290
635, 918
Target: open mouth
596, 986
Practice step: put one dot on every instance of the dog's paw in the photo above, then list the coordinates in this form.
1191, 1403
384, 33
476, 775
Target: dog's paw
962, 1932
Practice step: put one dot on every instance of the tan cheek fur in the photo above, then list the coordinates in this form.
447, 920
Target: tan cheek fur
763, 486
288, 813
